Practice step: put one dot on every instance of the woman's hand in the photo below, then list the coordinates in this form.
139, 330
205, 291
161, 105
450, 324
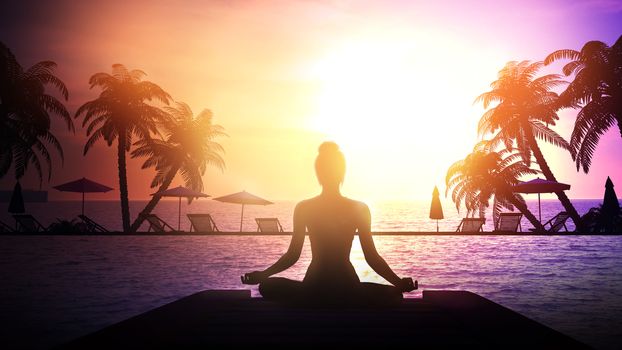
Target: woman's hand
407, 285
254, 277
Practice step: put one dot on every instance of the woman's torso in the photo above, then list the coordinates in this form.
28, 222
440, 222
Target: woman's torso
331, 224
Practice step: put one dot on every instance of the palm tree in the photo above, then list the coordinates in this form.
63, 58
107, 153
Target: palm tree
525, 109
25, 115
188, 148
483, 175
120, 113
597, 87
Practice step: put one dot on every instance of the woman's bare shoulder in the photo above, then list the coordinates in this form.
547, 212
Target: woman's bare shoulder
357, 205
305, 203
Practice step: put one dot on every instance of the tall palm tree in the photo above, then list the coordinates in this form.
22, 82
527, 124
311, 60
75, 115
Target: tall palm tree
188, 148
525, 107
25, 115
597, 87
483, 175
121, 112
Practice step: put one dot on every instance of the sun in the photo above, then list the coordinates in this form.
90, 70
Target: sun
400, 103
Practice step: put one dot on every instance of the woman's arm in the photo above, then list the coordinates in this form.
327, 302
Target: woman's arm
375, 261
289, 258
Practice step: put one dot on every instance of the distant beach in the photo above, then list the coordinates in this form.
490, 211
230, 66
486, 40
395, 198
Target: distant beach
386, 216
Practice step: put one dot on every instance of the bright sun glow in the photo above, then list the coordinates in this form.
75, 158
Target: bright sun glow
401, 101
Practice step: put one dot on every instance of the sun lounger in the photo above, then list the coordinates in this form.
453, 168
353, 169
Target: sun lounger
92, 226
158, 225
471, 225
556, 223
28, 223
268, 225
202, 223
4, 228
509, 222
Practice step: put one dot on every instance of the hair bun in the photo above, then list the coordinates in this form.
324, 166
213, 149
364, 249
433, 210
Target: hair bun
329, 147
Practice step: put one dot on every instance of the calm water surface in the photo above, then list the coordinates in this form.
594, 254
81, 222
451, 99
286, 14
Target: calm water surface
56, 288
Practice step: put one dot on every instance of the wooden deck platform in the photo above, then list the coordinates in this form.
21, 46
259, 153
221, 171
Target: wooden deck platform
232, 319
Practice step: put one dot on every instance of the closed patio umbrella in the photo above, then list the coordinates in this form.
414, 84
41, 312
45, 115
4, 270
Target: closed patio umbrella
16, 205
611, 205
436, 209
610, 209
83, 186
243, 198
538, 186
180, 192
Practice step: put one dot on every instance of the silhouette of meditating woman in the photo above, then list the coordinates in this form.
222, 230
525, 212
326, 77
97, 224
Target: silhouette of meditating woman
331, 221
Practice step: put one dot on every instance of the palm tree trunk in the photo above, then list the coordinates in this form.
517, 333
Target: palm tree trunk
546, 170
525, 211
154, 200
125, 205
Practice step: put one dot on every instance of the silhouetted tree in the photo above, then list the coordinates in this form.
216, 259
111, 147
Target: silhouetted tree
121, 112
484, 175
188, 148
597, 87
525, 109
25, 115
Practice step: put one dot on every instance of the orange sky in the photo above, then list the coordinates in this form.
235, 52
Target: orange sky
392, 82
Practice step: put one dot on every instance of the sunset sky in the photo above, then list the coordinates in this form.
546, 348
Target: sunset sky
392, 82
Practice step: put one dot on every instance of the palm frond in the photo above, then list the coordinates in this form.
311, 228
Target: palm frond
548, 135
564, 54
572, 67
593, 129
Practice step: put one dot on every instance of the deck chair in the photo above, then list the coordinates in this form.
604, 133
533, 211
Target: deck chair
28, 223
471, 225
4, 228
509, 222
158, 225
92, 226
268, 225
202, 223
556, 223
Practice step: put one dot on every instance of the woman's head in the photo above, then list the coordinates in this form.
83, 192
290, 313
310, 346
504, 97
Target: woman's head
330, 164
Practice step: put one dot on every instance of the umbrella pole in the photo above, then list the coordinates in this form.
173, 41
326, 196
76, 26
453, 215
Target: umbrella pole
179, 216
539, 209
82, 203
436, 225
242, 218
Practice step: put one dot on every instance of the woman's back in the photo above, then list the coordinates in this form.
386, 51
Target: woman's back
331, 222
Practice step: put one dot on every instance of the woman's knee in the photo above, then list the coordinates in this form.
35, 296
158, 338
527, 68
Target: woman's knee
380, 293
278, 287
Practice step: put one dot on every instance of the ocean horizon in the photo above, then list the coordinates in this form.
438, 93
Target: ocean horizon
389, 215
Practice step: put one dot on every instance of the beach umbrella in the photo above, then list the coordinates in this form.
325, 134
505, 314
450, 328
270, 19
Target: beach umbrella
436, 209
16, 205
611, 206
180, 192
610, 209
83, 186
243, 198
538, 186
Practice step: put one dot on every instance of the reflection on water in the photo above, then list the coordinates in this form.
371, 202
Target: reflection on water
57, 288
